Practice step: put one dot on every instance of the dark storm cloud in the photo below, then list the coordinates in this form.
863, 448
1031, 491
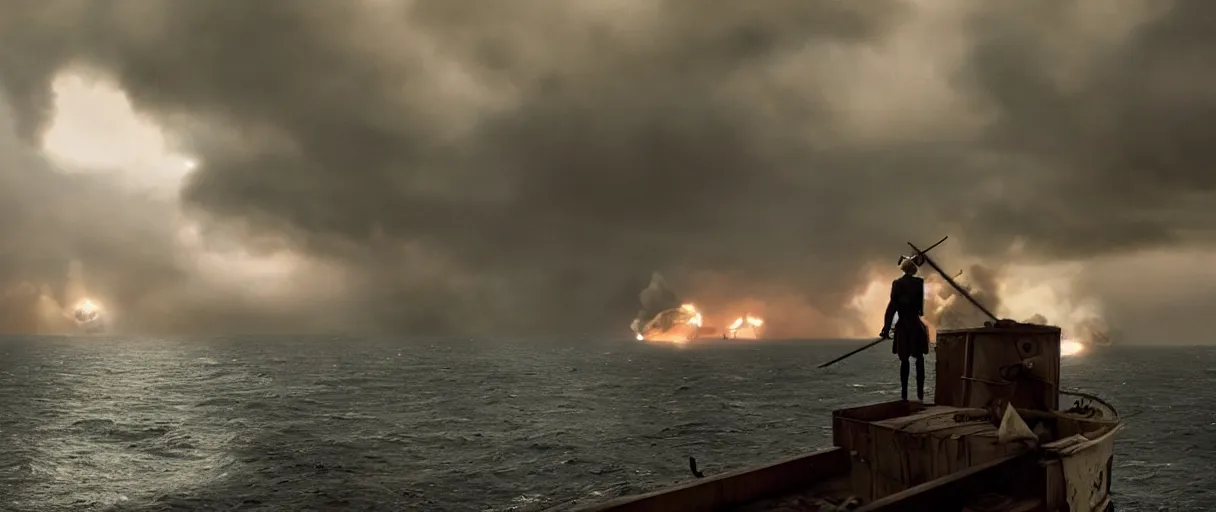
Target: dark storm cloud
53, 222
1122, 133
526, 165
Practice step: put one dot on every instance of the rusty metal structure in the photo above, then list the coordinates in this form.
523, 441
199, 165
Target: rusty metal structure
994, 440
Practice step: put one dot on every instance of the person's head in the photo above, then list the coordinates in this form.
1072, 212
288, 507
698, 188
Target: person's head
908, 265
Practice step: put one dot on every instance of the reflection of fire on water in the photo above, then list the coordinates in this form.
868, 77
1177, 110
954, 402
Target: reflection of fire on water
677, 325
746, 327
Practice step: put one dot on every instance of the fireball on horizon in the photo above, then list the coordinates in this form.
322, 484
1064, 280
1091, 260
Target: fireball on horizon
88, 316
746, 327
1070, 347
1073, 343
663, 316
676, 325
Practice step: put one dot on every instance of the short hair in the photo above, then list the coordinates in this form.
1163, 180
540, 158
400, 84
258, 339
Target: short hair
909, 265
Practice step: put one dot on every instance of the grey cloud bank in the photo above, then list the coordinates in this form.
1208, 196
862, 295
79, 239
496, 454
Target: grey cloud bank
523, 167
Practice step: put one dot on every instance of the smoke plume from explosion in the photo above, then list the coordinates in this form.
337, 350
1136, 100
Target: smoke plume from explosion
656, 298
663, 317
950, 310
1082, 323
666, 317
449, 166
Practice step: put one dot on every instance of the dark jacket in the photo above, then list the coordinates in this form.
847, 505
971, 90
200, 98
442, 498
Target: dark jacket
911, 338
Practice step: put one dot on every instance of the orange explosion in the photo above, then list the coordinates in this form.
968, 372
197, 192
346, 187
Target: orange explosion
679, 325
746, 327
1071, 347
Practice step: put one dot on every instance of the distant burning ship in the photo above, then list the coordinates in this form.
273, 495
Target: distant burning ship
677, 325
746, 327
1092, 333
1104, 339
664, 317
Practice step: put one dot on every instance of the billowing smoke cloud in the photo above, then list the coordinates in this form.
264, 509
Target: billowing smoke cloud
656, 298
522, 166
1036, 319
951, 310
1007, 297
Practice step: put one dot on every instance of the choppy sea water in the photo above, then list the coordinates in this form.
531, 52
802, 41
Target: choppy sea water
436, 425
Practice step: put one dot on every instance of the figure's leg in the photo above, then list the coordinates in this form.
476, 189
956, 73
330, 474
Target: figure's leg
903, 377
920, 378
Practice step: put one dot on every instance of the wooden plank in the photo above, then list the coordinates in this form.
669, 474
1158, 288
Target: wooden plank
928, 414
988, 353
968, 363
938, 457
983, 447
888, 456
879, 411
737, 487
1054, 487
918, 461
914, 449
956, 452
852, 435
952, 492
885, 486
861, 479
1023, 328
951, 356
862, 452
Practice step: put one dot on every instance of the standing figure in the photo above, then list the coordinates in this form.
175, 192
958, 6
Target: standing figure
911, 338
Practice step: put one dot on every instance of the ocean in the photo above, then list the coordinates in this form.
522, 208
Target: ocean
490, 425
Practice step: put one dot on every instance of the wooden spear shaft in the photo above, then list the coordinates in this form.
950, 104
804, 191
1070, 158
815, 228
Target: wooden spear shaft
850, 354
962, 291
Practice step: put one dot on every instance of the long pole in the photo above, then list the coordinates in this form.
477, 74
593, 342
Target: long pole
850, 354
931, 247
962, 291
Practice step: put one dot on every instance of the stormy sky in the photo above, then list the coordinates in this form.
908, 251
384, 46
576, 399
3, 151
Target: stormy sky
458, 166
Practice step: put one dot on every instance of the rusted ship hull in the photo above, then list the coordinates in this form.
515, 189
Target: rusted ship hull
993, 442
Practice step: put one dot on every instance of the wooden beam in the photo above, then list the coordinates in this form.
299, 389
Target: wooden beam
737, 487
950, 493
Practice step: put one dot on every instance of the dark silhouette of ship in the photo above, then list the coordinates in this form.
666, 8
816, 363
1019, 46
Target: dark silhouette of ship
1105, 339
